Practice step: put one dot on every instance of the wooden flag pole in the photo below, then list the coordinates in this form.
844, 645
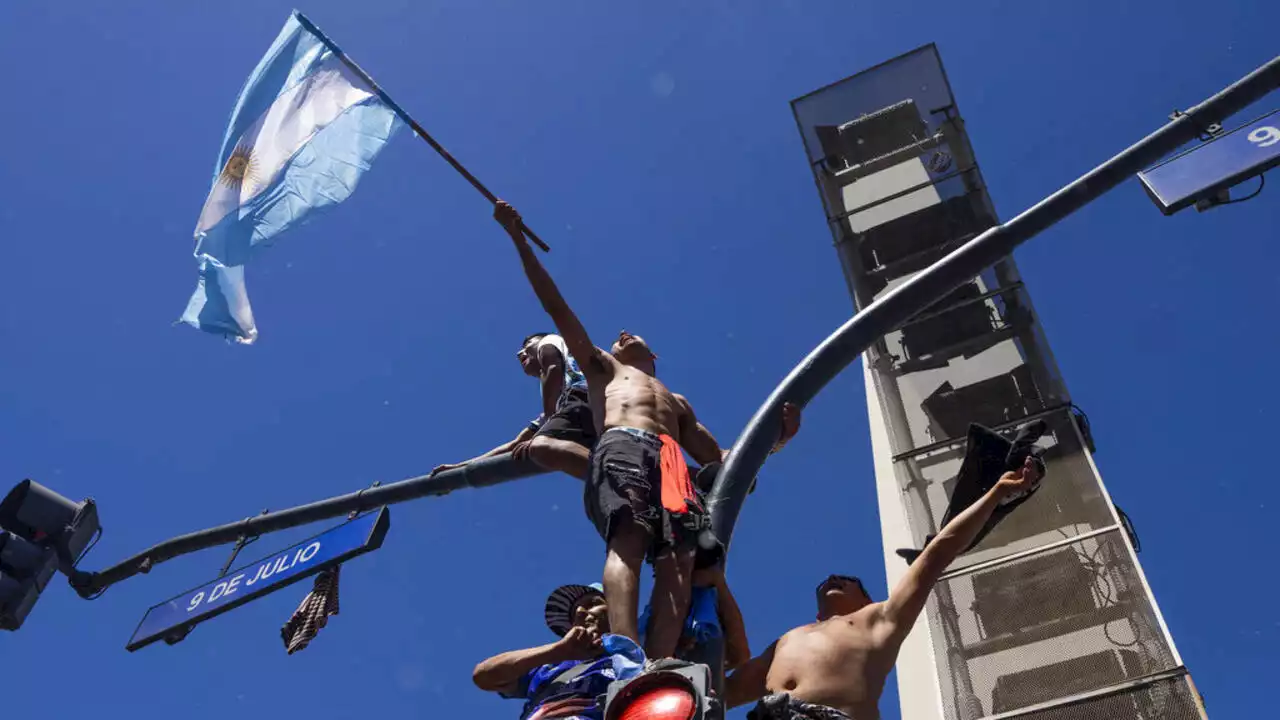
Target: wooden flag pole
417, 129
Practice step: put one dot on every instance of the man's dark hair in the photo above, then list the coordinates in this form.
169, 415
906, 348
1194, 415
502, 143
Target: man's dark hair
847, 578
535, 336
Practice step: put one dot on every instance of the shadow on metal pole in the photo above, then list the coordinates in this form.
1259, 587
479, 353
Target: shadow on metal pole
898, 305
482, 473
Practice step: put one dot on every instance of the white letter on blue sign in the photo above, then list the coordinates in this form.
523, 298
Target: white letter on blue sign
259, 574
218, 591
1265, 136
309, 552
231, 584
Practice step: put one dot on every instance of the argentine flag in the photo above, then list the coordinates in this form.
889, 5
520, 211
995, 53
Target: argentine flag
304, 129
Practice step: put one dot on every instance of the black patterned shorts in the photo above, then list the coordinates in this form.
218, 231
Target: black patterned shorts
781, 706
626, 486
572, 420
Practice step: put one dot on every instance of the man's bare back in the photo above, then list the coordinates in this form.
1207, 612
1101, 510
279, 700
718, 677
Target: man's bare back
838, 662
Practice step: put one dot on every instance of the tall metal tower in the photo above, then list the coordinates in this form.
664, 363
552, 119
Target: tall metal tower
1050, 616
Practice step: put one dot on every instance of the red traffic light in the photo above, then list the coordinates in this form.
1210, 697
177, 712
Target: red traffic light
665, 702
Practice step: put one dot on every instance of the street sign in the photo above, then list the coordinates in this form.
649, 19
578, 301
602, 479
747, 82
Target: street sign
249, 582
1214, 166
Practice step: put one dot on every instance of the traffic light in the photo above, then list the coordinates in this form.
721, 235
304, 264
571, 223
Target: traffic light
669, 690
40, 532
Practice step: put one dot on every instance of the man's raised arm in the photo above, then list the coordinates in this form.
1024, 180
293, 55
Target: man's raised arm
899, 612
567, 324
695, 438
750, 681
503, 672
701, 445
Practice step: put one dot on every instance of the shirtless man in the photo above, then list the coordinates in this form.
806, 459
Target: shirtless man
835, 669
639, 495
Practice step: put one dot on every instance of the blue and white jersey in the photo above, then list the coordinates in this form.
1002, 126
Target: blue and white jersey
574, 379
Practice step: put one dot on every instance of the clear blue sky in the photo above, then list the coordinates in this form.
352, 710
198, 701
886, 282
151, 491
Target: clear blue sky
652, 145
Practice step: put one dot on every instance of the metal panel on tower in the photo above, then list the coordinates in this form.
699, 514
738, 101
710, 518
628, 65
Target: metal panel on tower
1049, 615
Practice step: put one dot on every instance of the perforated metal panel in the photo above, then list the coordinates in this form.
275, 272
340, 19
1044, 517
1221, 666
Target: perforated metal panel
1051, 602
1043, 626
1172, 699
1070, 500
978, 356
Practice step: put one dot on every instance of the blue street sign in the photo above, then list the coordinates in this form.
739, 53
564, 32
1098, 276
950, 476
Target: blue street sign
179, 615
1205, 170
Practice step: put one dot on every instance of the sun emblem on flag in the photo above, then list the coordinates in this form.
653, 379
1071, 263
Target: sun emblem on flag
239, 167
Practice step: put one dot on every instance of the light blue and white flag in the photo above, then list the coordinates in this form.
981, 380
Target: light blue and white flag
304, 129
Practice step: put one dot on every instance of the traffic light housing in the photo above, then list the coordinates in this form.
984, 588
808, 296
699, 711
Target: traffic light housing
40, 533
668, 690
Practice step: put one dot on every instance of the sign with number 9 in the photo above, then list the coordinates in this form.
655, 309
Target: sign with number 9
1265, 136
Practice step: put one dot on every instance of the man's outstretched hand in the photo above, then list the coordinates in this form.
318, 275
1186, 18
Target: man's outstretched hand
510, 220
447, 466
1016, 481
790, 425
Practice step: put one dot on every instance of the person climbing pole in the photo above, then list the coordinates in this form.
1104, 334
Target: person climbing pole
638, 495
714, 632
562, 436
835, 668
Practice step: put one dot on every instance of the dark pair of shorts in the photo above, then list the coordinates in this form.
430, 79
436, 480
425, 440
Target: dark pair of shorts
781, 706
626, 486
572, 420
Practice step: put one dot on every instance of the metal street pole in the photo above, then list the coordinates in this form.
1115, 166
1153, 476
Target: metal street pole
482, 473
902, 303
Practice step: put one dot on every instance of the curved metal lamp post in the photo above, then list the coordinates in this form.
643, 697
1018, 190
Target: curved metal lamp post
898, 305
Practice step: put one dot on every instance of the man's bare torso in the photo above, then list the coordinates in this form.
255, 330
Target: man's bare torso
837, 662
633, 398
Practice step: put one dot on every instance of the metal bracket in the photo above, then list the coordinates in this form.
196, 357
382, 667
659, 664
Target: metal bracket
241, 542
181, 633
1207, 133
360, 500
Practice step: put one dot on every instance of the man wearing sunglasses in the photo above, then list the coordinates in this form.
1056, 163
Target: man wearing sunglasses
835, 668
561, 437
